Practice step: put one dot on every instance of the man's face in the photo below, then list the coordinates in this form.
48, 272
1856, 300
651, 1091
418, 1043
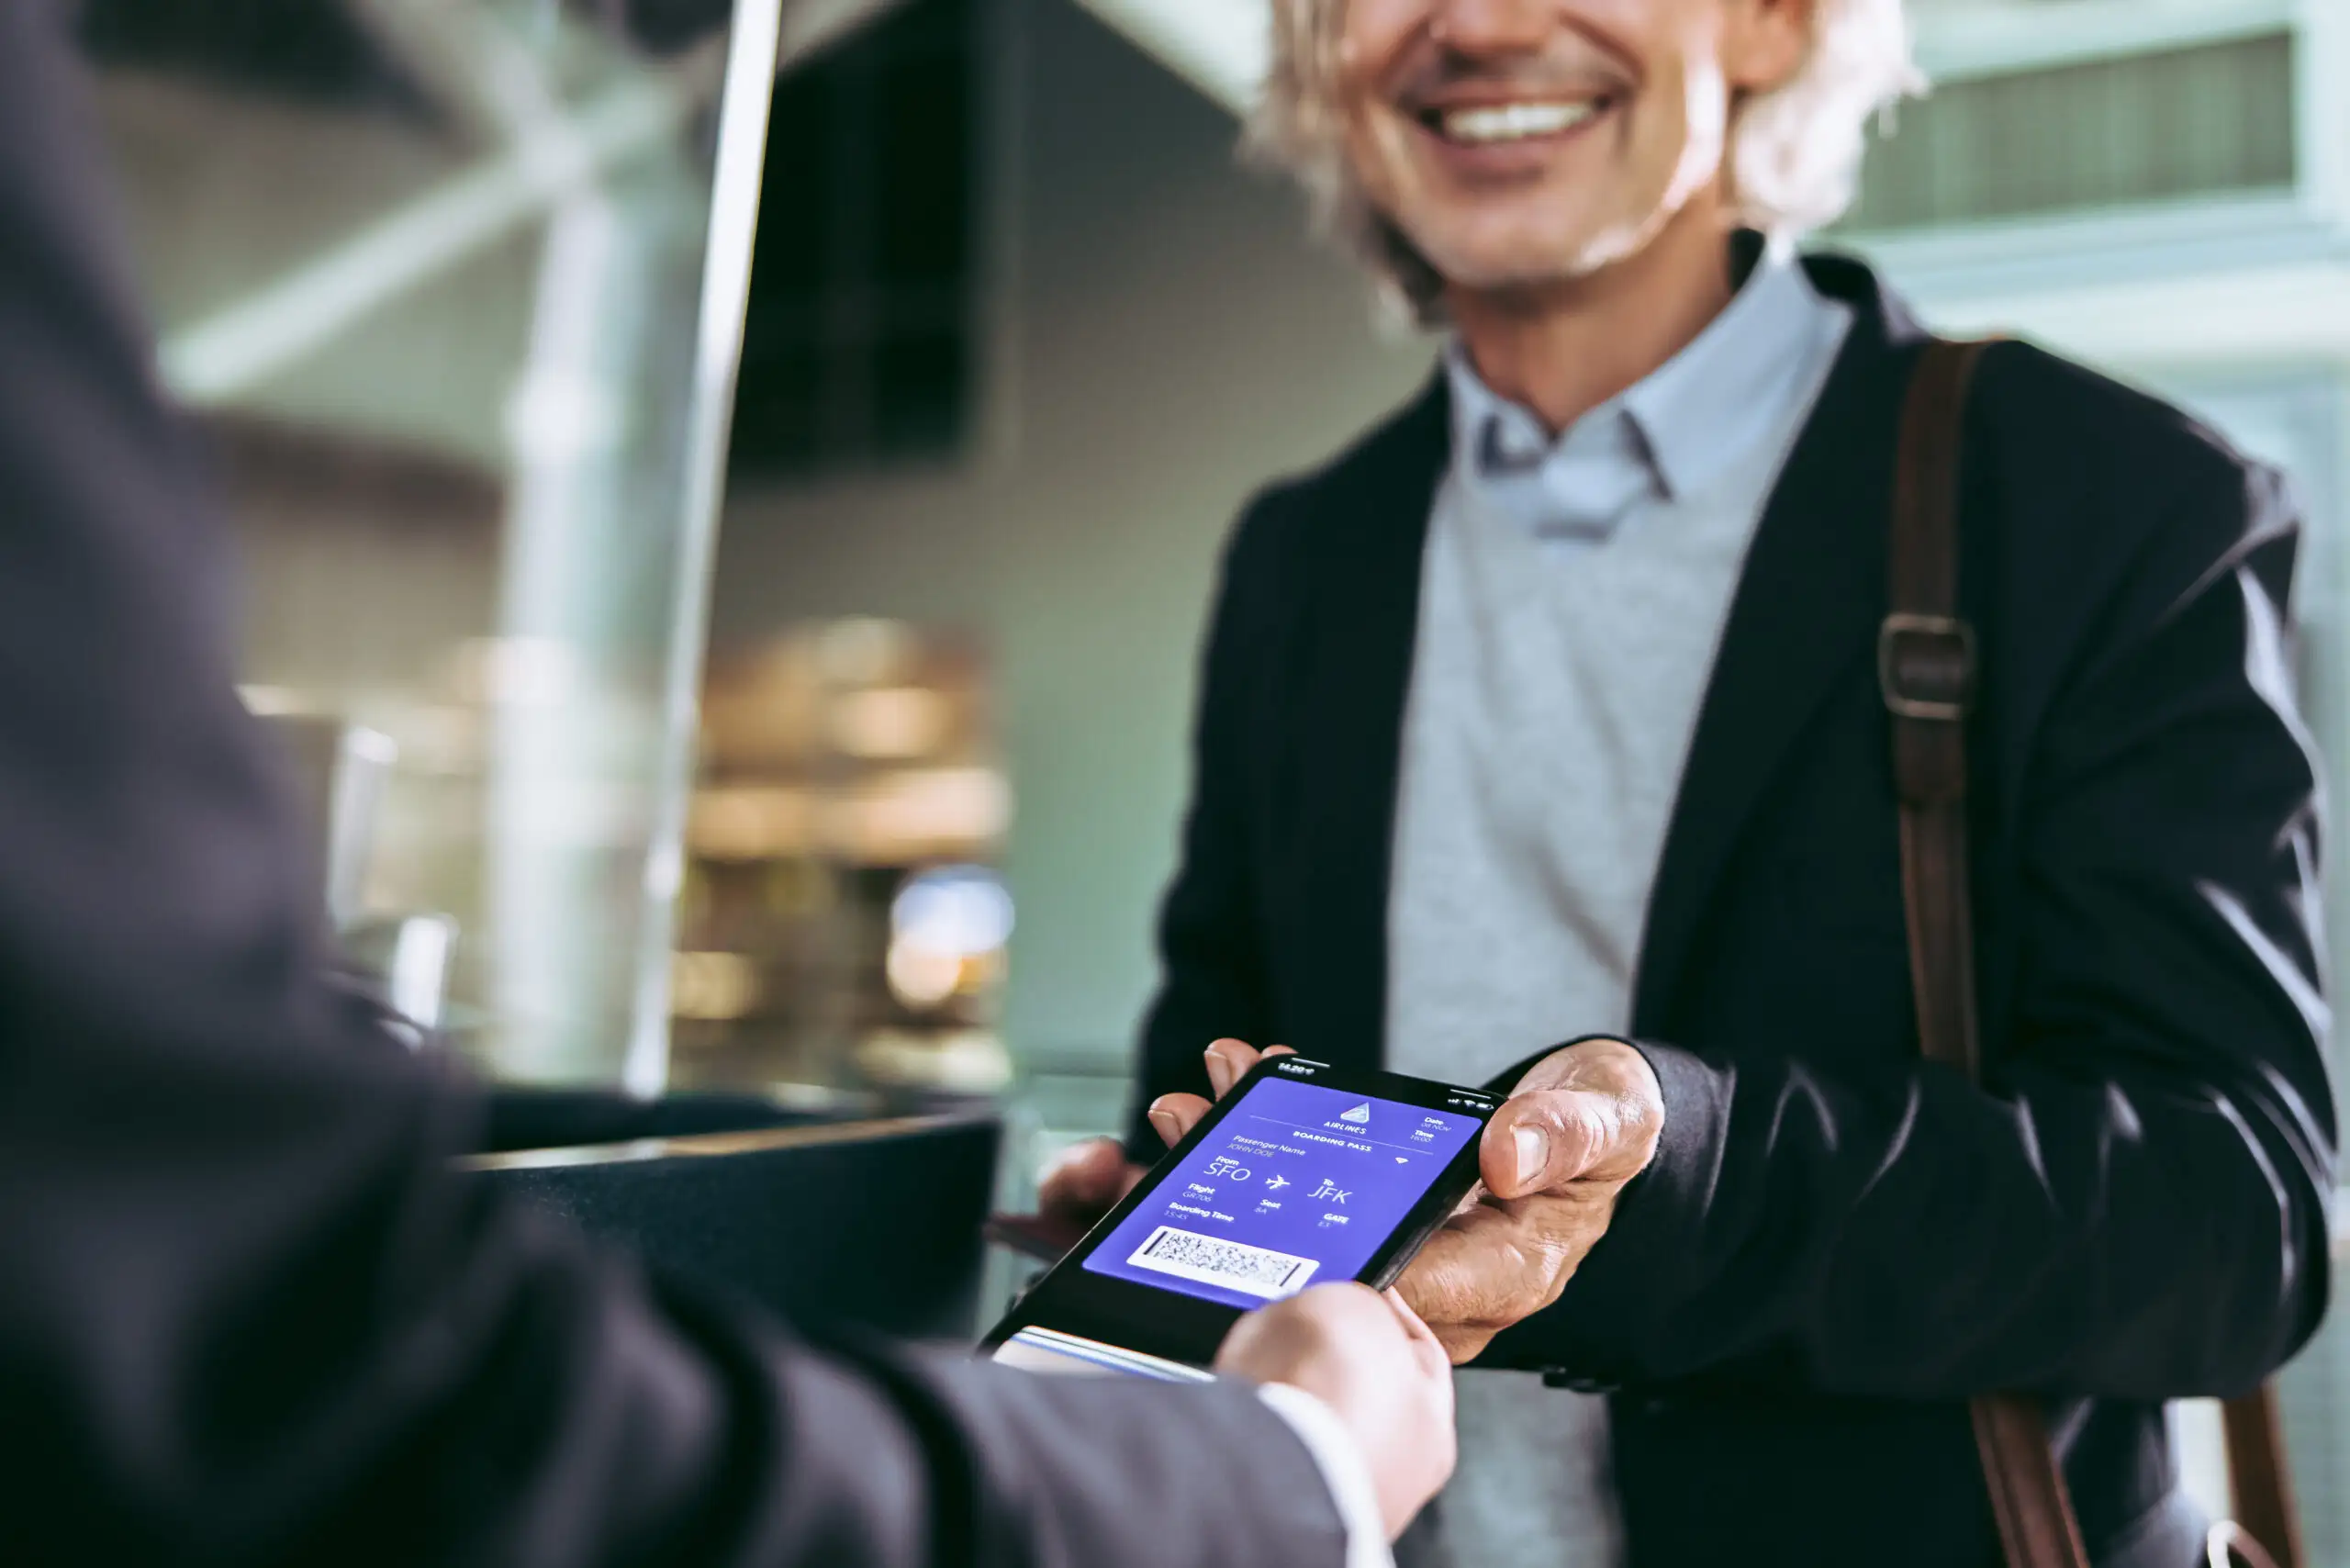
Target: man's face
1521, 142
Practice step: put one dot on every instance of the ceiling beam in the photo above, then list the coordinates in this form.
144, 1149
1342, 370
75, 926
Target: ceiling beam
1220, 47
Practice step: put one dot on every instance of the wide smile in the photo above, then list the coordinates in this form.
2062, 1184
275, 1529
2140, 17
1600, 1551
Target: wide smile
1506, 140
1505, 124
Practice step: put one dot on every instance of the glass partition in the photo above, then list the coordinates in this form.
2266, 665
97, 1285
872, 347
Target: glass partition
455, 292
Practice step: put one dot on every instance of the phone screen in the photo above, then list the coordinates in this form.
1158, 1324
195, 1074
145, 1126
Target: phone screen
1299, 1184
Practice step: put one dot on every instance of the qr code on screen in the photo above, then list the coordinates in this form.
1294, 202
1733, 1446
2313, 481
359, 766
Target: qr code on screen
1257, 1271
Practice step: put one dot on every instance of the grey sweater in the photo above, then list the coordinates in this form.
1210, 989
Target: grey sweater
1574, 594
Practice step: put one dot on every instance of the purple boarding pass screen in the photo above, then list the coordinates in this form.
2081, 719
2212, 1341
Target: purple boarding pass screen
1298, 1185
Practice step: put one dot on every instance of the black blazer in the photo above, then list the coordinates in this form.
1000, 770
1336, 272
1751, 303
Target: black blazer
1837, 1244
247, 1313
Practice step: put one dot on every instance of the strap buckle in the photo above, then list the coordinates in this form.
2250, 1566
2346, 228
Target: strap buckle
1925, 667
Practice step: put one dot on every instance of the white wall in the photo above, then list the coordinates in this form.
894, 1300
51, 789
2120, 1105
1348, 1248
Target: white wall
1173, 340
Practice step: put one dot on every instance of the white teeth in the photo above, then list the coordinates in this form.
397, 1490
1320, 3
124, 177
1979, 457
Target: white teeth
1514, 122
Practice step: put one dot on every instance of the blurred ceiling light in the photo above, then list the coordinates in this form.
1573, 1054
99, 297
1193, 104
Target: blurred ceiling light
865, 651
759, 824
971, 1061
946, 925
892, 723
913, 814
963, 910
921, 978
712, 987
1220, 47
923, 814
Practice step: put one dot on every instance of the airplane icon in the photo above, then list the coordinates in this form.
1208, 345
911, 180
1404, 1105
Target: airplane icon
1276, 1183
1360, 1115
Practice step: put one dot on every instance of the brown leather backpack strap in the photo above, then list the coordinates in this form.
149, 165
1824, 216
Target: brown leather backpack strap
2028, 1497
1926, 666
2264, 1482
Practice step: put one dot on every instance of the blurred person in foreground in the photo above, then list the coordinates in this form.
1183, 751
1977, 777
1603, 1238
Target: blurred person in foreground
1549, 711
246, 1312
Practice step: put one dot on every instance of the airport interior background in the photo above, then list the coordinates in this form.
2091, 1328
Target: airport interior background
841, 759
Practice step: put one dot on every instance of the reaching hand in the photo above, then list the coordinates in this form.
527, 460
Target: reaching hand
1377, 1367
1582, 1123
1085, 1181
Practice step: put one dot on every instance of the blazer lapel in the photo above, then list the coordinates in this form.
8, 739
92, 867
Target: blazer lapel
1353, 669
1808, 604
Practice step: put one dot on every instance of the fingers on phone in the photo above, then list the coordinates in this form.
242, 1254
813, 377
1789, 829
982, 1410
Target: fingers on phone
1173, 1115
1228, 1061
1546, 1137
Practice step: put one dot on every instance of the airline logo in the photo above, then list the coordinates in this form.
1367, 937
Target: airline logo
1360, 1115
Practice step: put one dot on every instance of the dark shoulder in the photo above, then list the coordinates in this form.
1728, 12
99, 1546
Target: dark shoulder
2112, 511
2070, 437
2111, 489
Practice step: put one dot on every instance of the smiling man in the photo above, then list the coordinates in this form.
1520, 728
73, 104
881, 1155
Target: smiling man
1549, 711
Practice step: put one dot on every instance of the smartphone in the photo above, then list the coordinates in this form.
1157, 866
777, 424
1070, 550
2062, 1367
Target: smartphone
1305, 1173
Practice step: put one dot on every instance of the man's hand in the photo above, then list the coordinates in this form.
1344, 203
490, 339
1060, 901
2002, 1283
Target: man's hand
1583, 1122
1085, 1181
1378, 1369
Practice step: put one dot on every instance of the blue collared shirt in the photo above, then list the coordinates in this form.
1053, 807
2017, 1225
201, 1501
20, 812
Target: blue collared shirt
1669, 437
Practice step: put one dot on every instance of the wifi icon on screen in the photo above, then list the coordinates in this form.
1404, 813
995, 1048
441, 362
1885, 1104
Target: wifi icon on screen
1360, 1115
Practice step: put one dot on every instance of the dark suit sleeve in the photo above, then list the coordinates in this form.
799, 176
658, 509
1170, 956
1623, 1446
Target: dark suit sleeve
247, 1313
1212, 981
2136, 1207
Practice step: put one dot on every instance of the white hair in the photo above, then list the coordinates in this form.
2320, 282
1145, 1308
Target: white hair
1793, 164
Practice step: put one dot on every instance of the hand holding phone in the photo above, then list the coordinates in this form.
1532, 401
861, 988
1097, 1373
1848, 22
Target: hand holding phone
1304, 1173
1581, 1123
